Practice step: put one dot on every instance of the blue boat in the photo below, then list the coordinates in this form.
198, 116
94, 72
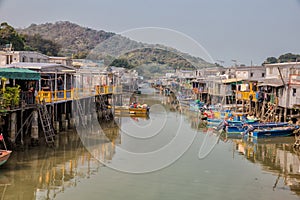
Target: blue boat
196, 105
213, 122
273, 132
236, 128
241, 122
232, 126
270, 130
234, 131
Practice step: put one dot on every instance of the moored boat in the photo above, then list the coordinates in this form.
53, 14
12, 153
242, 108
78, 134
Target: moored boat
270, 130
213, 122
126, 111
4, 156
273, 132
236, 129
4, 153
139, 109
196, 106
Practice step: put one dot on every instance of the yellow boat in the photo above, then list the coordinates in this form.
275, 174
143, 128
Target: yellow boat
139, 111
134, 112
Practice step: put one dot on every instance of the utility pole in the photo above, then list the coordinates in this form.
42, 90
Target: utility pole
235, 67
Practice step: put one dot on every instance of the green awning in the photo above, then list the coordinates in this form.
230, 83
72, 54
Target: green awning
19, 73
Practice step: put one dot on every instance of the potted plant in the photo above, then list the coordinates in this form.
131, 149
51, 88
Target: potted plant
11, 96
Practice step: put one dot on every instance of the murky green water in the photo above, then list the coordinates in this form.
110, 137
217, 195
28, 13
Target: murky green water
234, 169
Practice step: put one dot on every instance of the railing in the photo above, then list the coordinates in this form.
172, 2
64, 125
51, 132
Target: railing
50, 96
32, 98
108, 89
75, 93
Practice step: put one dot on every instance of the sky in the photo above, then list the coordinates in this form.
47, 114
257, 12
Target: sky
226, 30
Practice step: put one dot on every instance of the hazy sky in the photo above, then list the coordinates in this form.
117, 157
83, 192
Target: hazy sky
228, 29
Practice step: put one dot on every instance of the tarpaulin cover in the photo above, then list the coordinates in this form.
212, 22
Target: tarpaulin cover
19, 73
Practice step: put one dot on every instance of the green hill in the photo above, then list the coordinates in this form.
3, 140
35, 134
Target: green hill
81, 42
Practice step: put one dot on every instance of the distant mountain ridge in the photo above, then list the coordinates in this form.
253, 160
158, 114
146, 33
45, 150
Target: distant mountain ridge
72, 37
75, 39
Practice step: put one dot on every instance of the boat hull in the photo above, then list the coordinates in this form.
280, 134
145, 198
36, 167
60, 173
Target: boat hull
274, 132
235, 129
139, 111
213, 122
4, 156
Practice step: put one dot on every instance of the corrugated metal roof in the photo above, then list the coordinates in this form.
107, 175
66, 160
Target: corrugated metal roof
43, 67
231, 80
271, 82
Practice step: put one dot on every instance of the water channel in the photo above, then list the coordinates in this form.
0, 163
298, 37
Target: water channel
165, 156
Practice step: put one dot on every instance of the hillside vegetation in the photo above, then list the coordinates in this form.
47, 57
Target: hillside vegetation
81, 42
72, 38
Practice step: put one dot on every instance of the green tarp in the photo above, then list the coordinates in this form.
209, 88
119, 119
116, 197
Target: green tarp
19, 73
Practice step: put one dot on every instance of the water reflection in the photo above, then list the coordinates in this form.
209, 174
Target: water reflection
43, 173
275, 155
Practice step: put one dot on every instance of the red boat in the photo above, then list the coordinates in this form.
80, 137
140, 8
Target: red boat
4, 153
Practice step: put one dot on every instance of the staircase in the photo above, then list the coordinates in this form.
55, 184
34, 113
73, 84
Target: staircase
46, 125
269, 115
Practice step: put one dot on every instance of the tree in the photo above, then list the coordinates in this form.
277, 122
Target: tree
288, 57
80, 55
37, 43
121, 62
270, 60
8, 35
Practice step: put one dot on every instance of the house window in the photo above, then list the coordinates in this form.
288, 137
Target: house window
24, 59
38, 60
263, 75
294, 92
31, 59
7, 60
251, 74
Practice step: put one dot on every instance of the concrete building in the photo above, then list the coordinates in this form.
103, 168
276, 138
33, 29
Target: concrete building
10, 57
285, 77
251, 73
